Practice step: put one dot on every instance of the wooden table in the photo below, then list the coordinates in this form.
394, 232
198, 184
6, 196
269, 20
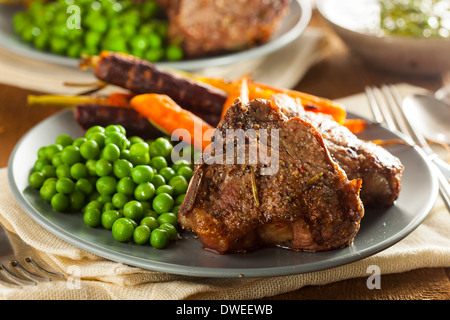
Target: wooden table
338, 74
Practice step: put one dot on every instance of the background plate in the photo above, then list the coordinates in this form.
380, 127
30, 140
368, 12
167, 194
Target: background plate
379, 228
291, 28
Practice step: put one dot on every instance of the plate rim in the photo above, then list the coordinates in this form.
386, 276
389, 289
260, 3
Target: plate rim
172, 268
195, 64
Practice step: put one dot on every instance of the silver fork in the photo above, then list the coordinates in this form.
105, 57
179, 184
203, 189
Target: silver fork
386, 106
19, 263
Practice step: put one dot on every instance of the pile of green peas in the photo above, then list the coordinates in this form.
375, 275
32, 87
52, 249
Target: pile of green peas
72, 28
127, 185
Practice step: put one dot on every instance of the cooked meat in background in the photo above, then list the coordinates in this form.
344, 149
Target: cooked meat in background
214, 26
307, 204
380, 171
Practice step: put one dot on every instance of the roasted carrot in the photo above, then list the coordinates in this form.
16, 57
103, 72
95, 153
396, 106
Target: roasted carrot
166, 114
355, 125
240, 90
263, 91
310, 102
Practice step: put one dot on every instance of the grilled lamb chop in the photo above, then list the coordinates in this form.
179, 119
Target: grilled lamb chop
306, 203
380, 171
214, 26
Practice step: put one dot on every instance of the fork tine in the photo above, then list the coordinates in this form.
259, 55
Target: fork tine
395, 105
14, 277
376, 112
379, 102
27, 273
34, 264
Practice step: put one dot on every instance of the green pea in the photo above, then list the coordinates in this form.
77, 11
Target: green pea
117, 138
154, 54
108, 206
144, 191
106, 185
141, 234
158, 180
122, 168
158, 162
41, 163
139, 153
126, 185
56, 159
78, 171
84, 185
70, 155
93, 129
180, 163
48, 189
174, 53
78, 142
36, 179
165, 189
123, 229
63, 171
180, 198
53, 149
108, 218
160, 147
115, 128
186, 172
103, 167
92, 217
90, 149
171, 230
64, 140
65, 185
119, 200
159, 238
98, 137
48, 171
111, 152
162, 202
168, 173
94, 204
104, 199
90, 167
179, 184
60, 202
150, 222
76, 199
133, 210
142, 174
168, 217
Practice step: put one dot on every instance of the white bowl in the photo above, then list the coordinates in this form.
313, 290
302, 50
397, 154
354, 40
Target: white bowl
353, 21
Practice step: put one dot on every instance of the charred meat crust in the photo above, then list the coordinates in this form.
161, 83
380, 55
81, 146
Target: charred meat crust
140, 76
380, 171
307, 204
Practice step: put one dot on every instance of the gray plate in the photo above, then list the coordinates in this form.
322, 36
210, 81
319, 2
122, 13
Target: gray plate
379, 228
291, 28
